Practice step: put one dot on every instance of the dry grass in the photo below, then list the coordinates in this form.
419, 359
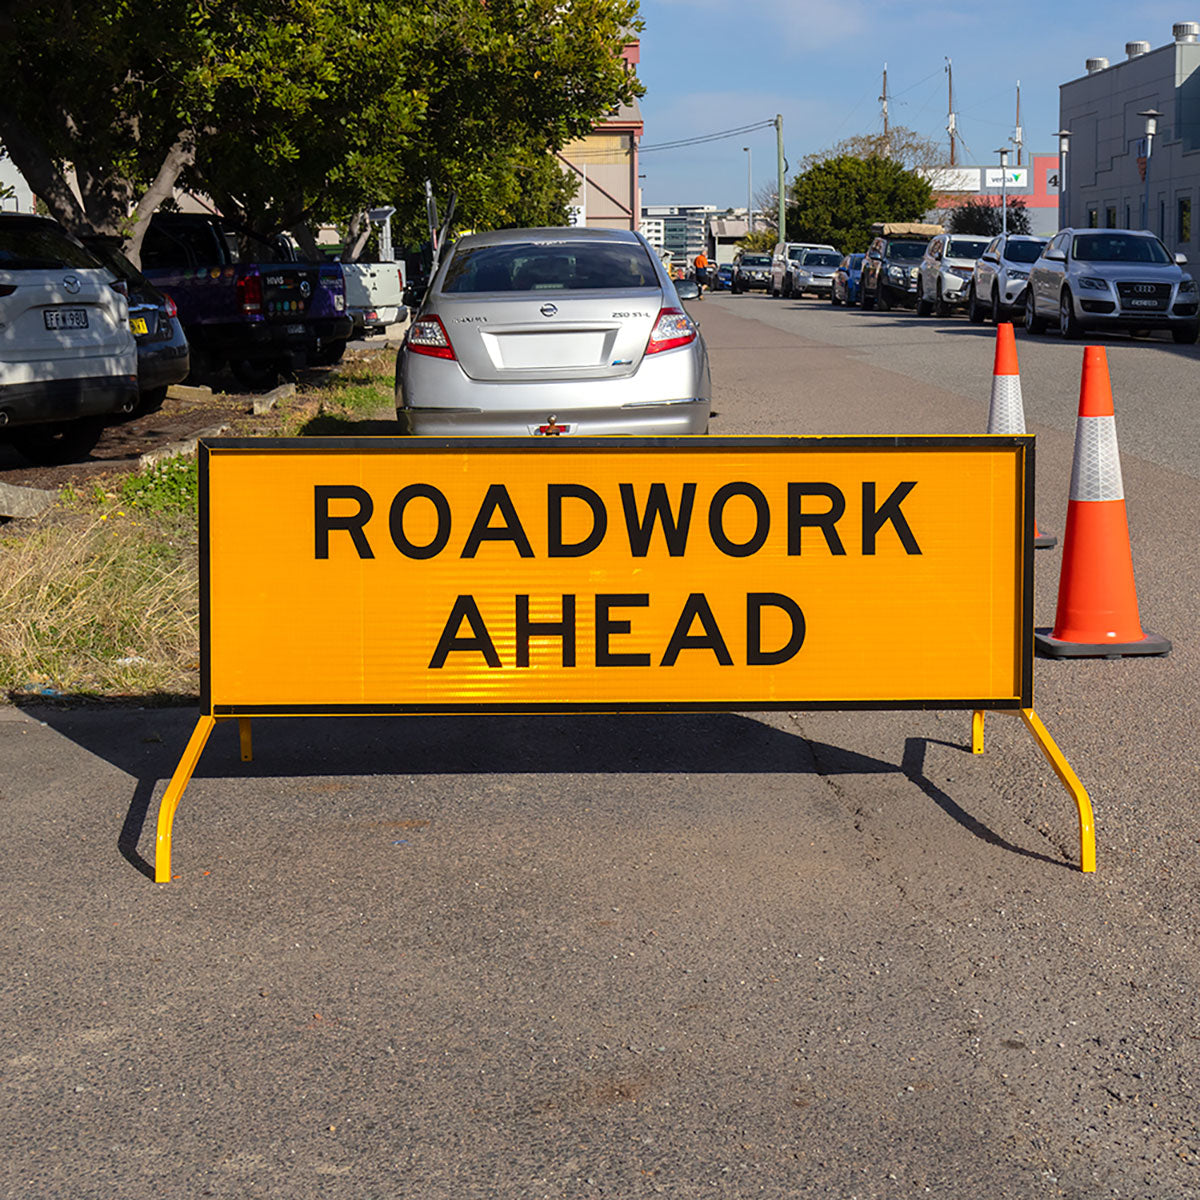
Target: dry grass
99, 603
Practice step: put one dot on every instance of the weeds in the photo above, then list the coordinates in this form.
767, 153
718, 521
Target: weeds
169, 486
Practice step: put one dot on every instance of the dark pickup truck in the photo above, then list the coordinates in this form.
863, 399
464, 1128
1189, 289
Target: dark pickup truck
241, 302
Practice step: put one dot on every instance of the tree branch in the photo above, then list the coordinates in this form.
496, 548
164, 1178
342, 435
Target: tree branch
31, 157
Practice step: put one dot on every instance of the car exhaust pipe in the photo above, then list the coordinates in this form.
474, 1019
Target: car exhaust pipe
127, 406
3, 416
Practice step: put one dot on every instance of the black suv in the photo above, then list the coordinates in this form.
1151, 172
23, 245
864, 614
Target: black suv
751, 269
889, 272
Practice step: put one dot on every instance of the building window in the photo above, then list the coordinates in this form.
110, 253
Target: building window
1184, 227
1110, 217
1093, 218
1162, 218
1128, 223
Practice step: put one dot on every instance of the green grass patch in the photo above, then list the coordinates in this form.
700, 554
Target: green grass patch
168, 486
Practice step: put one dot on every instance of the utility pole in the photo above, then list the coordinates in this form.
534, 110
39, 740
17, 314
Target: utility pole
779, 156
1018, 133
883, 100
951, 123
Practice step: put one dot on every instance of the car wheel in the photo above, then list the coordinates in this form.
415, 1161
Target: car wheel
1068, 322
923, 305
867, 301
787, 287
833, 298
150, 400
1033, 323
332, 353
883, 300
974, 312
1185, 335
940, 307
63, 442
997, 308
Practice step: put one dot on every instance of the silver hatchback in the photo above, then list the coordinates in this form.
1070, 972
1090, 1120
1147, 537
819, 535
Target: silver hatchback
532, 332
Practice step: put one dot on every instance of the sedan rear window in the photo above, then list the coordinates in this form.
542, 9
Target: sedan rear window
816, 258
1115, 247
907, 249
550, 267
756, 260
40, 246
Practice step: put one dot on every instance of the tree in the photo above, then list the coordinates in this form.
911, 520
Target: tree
981, 215
297, 111
836, 201
902, 145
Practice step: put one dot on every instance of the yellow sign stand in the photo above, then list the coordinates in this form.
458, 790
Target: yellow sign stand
615, 575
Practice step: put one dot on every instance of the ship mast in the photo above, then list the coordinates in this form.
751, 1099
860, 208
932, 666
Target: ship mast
1018, 133
883, 100
951, 122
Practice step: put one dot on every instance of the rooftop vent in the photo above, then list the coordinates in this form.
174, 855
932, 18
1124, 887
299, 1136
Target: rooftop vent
1186, 31
1137, 49
1096, 64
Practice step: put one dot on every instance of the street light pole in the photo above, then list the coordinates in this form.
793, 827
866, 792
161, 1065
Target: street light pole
1003, 152
1151, 116
1064, 200
749, 185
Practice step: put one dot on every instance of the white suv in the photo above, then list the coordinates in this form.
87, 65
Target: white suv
67, 355
944, 276
997, 289
782, 259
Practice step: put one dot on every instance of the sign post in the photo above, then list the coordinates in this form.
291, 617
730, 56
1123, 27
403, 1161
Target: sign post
615, 575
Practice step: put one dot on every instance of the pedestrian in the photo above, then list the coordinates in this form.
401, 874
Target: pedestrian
700, 262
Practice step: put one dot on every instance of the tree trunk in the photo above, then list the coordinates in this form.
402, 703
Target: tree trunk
356, 237
179, 156
49, 184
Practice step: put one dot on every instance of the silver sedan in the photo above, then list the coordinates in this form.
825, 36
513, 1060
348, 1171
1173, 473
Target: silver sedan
551, 332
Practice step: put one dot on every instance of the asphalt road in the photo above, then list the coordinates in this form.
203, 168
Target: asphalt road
800, 954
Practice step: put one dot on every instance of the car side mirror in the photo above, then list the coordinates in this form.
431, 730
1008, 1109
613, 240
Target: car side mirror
992, 258
1055, 256
687, 289
1181, 259
875, 255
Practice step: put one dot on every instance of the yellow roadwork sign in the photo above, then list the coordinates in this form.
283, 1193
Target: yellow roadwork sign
611, 574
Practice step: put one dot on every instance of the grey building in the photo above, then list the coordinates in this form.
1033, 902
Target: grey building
1110, 180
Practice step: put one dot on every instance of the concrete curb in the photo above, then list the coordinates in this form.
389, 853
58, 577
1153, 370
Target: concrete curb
24, 502
266, 402
187, 446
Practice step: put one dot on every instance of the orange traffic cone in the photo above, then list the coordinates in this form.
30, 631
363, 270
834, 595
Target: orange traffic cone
1097, 601
1007, 411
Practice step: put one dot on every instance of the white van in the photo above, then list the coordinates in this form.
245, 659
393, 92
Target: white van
784, 254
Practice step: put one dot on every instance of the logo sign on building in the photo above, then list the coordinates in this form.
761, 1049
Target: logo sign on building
1013, 177
953, 179
444, 575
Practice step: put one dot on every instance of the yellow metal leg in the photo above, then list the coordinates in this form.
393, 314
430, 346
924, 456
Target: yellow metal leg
244, 738
174, 793
1087, 832
977, 731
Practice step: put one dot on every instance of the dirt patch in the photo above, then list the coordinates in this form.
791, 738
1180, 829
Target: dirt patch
126, 439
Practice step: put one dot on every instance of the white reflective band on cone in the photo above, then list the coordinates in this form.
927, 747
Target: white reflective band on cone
1007, 411
1096, 471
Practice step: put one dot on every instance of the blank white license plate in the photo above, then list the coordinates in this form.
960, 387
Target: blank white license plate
65, 318
1144, 303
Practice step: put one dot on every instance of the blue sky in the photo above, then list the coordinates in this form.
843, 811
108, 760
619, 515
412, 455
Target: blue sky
711, 65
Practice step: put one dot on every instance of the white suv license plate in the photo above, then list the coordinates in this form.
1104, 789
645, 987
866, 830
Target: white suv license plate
1144, 303
65, 318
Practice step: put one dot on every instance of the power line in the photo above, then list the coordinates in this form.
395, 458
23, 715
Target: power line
708, 137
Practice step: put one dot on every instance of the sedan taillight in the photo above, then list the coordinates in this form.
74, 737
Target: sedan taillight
427, 335
673, 328
169, 305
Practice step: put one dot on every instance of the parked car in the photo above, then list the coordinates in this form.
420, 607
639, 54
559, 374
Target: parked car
243, 300
846, 280
162, 348
551, 332
889, 273
374, 295
751, 270
1111, 279
67, 356
945, 272
813, 272
724, 279
782, 258
997, 287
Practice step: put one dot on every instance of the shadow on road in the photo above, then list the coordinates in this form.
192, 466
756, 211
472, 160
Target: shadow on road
146, 744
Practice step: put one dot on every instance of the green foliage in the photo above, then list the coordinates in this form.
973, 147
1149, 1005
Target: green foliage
837, 201
760, 239
979, 215
299, 111
170, 485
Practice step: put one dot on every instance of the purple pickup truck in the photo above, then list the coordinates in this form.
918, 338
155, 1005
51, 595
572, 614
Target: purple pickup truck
239, 301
